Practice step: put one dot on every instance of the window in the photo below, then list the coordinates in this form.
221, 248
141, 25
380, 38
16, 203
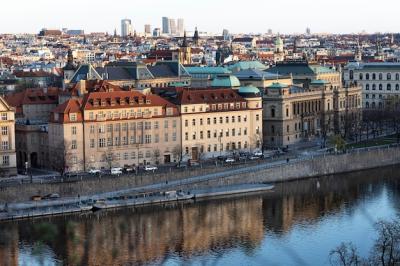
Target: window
174, 136
6, 160
148, 139
361, 76
72, 117
388, 76
397, 76
147, 125
124, 126
4, 116
133, 155
233, 119
126, 156
380, 76
221, 120
156, 138
245, 131
148, 154
156, 125
186, 123
374, 76
186, 136
201, 121
73, 145
109, 142
208, 121
4, 131
102, 142
101, 129
367, 87
91, 128
194, 135
91, 116
166, 137
4, 145
165, 124
272, 112
389, 87
193, 122
367, 76
73, 130
239, 119
92, 143
373, 87
380, 87
397, 87
227, 119
174, 123
258, 116
201, 135
215, 120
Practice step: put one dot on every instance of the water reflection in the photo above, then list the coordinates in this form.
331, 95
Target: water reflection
185, 232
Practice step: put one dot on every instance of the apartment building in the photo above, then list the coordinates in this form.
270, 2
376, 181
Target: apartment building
218, 121
114, 128
8, 160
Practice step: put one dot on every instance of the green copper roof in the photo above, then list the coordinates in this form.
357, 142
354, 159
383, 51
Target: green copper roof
247, 65
277, 85
321, 69
319, 82
207, 70
227, 81
249, 89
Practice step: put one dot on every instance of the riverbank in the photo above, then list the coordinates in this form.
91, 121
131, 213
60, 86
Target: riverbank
72, 194
57, 207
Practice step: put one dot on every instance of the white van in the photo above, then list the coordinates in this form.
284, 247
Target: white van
116, 171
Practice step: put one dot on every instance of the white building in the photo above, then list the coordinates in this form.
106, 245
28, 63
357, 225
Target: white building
181, 26
126, 27
380, 81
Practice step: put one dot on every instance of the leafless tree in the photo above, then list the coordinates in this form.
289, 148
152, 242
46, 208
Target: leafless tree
108, 157
386, 250
61, 157
345, 255
177, 152
156, 155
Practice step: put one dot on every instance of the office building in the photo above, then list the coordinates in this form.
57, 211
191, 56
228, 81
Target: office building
181, 26
165, 26
172, 26
8, 159
147, 29
126, 27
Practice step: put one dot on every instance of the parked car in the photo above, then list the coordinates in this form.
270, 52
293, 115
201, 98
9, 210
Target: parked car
116, 171
94, 171
253, 157
229, 160
128, 169
52, 196
150, 168
258, 153
194, 163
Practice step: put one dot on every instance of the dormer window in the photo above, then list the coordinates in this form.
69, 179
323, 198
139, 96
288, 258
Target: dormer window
72, 117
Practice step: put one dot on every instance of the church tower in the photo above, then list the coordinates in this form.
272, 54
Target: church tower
196, 37
185, 52
358, 52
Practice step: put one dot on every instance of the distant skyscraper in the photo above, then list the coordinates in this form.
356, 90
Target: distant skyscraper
172, 26
165, 26
126, 27
147, 29
269, 31
225, 34
181, 26
308, 31
156, 32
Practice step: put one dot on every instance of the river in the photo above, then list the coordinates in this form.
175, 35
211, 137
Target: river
296, 224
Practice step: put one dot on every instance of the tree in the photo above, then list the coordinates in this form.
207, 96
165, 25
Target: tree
338, 142
345, 255
177, 152
156, 155
61, 157
108, 157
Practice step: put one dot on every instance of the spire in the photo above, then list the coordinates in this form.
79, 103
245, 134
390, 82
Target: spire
184, 43
196, 36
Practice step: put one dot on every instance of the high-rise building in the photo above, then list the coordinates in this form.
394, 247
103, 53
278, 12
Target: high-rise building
126, 27
147, 29
165, 26
172, 26
225, 34
181, 26
308, 31
156, 32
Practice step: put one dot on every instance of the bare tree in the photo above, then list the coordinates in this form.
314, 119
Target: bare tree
61, 157
108, 157
345, 255
386, 250
156, 155
177, 152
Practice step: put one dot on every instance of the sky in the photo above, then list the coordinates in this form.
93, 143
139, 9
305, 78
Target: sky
252, 16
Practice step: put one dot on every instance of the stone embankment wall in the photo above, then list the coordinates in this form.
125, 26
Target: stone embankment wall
295, 169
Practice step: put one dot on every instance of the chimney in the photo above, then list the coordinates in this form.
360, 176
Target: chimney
82, 87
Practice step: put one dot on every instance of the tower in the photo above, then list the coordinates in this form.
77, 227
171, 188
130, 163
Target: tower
358, 52
185, 52
70, 68
196, 37
126, 27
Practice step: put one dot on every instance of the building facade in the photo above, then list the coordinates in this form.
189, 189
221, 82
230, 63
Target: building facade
380, 82
293, 114
113, 129
8, 159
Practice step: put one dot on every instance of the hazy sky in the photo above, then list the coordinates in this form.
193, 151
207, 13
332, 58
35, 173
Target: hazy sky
285, 16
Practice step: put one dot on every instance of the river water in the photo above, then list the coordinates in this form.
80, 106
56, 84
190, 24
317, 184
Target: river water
296, 224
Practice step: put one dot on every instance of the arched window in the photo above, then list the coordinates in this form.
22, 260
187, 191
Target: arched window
272, 129
397, 87
367, 104
373, 105
388, 76
397, 76
380, 105
367, 87
389, 87
373, 76
272, 112
373, 87
351, 74
380, 87
361, 76
367, 76
380, 76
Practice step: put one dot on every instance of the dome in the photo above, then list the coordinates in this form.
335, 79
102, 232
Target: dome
278, 41
248, 91
227, 81
277, 85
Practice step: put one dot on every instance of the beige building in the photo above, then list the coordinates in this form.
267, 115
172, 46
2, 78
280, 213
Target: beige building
113, 129
219, 121
292, 113
8, 160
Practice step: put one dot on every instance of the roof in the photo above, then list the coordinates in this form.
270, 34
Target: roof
277, 85
168, 69
85, 72
32, 74
247, 65
378, 65
225, 81
70, 106
210, 96
300, 69
33, 96
256, 74
250, 89
207, 70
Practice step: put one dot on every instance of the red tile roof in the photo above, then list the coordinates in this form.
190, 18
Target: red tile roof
210, 96
33, 96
